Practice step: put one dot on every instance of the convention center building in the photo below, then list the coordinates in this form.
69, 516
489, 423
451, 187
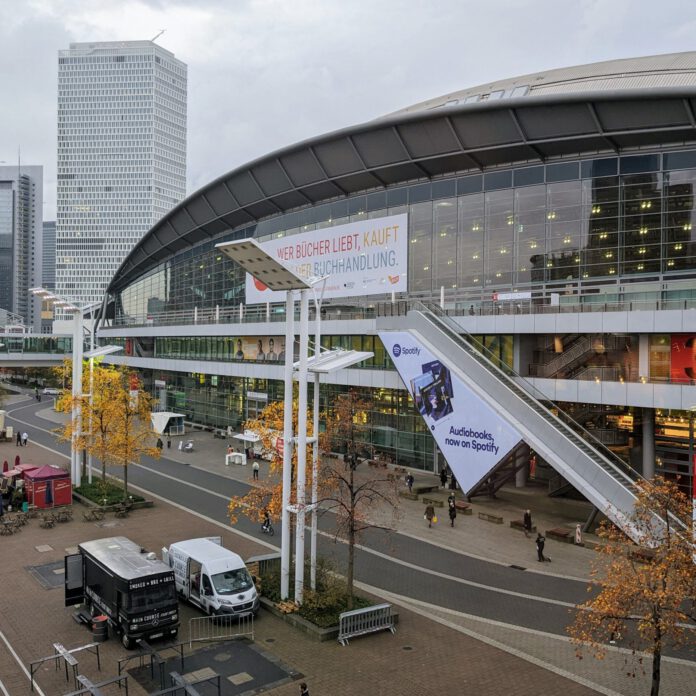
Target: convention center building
551, 215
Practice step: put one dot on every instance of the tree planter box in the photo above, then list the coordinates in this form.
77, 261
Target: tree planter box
307, 627
90, 503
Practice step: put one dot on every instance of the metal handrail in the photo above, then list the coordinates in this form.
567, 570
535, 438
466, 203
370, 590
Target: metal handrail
515, 381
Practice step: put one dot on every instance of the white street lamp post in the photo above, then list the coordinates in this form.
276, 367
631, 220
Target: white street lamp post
276, 276
77, 356
287, 446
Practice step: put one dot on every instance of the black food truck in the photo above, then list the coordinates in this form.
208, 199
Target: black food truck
134, 589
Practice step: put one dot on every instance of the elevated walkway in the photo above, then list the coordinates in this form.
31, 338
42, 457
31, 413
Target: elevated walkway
605, 479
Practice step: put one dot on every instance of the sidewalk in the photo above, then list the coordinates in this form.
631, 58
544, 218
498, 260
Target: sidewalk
434, 649
423, 658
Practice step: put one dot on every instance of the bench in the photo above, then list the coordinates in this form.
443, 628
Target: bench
93, 514
563, 534
48, 521
641, 555
360, 622
463, 507
122, 509
519, 524
8, 527
495, 519
435, 502
408, 495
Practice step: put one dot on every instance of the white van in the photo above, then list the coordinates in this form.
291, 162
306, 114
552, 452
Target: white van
212, 577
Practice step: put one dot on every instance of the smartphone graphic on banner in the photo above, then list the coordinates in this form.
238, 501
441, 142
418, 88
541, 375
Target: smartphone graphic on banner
432, 391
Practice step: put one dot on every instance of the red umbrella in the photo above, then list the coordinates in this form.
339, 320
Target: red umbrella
5, 466
16, 461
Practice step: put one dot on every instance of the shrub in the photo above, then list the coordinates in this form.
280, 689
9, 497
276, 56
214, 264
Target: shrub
323, 606
98, 491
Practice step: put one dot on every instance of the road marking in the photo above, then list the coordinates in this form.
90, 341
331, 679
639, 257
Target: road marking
3, 689
406, 603
398, 561
20, 663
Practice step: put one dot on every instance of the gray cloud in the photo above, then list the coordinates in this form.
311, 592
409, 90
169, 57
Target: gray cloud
264, 74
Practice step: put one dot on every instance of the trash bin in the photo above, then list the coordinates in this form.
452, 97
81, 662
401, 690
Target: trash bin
100, 629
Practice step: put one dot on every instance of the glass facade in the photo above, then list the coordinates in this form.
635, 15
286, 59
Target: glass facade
589, 221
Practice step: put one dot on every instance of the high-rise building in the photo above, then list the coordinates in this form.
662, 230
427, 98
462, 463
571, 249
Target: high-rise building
121, 156
21, 218
48, 270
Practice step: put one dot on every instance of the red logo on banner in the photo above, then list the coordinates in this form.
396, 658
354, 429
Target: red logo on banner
280, 446
260, 286
683, 358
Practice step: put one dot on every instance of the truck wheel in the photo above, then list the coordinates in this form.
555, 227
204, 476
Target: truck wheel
127, 641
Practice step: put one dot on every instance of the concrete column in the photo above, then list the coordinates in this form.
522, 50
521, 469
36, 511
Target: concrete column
648, 443
644, 356
521, 476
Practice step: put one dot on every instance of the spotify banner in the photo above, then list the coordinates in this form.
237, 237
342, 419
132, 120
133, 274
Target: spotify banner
471, 435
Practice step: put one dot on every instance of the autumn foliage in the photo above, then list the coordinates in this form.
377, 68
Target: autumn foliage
644, 594
115, 427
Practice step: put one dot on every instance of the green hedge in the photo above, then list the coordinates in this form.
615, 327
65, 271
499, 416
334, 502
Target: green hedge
322, 607
97, 491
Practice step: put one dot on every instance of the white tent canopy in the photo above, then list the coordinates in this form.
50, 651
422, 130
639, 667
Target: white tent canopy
248, 436
162, 419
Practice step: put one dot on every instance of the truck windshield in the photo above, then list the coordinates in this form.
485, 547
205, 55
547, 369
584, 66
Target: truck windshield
152, 597
232, 581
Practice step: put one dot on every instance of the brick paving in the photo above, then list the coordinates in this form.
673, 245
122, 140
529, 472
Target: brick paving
424, 657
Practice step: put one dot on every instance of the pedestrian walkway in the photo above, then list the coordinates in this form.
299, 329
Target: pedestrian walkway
423, 658
470, 535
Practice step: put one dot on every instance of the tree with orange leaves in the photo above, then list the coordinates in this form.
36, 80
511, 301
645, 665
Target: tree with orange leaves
357, 502
647, 593
268, 493
115, 426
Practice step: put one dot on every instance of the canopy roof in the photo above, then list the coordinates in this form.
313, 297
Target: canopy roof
46, 472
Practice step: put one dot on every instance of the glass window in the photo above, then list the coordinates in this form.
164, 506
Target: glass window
469, 184
562, 171
470, 240
529, 176
497, 180
499, 224
445, 243
420, 221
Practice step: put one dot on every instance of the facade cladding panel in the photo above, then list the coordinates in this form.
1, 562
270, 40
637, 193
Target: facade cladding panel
569, 193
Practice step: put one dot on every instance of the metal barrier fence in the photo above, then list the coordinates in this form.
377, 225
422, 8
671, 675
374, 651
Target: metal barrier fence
360, 622
222, 627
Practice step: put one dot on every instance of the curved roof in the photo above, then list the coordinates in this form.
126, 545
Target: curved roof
647, 72
421, 144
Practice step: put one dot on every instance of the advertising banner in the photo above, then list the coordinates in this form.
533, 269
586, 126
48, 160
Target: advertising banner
369, 257
471, 435
683, 358
265, 348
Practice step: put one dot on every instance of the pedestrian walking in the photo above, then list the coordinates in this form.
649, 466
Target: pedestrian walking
304, 691
19, 439
255, 470
169, 442
452, 513
25, 439
430, 515
540, 541
451, 499
160, 444
443, 476
453, 482
409, 482
527, 522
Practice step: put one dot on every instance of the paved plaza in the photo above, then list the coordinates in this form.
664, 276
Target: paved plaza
436, 648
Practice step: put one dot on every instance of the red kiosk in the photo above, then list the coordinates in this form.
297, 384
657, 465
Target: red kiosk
48, 486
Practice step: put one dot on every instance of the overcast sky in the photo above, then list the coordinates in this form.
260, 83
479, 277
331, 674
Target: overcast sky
263, 74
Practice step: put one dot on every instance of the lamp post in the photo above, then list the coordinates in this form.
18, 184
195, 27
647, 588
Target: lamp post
276, 276
77, 355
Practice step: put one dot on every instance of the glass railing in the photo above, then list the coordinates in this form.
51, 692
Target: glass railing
519, 385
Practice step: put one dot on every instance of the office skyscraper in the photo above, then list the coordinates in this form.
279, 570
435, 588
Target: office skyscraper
121, 156
21, 219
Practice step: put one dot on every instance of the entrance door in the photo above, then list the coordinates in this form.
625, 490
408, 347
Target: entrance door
74, 587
